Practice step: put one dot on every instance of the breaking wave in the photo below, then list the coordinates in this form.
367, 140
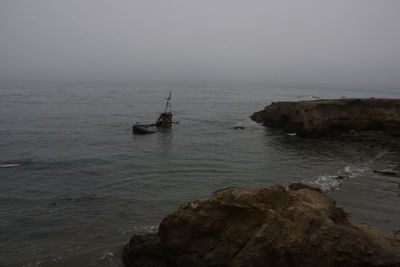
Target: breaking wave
9, 165
351, 171
334, 182
143, 229
328, 183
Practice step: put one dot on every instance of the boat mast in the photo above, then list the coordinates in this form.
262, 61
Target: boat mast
165, 119
168, 105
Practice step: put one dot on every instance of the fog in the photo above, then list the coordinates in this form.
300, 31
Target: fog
346, 43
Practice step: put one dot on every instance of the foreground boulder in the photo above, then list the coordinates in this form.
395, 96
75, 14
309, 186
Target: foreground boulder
372, 116
263, 227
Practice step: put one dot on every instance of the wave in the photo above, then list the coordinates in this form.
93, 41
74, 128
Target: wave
334, 182
328, 182
142, 229
146, 229
15, 163
10, 165
47, 164
352, 171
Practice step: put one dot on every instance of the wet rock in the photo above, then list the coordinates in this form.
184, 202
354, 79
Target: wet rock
238, 127
299, 186
357, 119
145, 251
387, 173
263, 227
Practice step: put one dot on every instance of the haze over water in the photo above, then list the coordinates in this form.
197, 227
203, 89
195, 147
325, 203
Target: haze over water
336, 44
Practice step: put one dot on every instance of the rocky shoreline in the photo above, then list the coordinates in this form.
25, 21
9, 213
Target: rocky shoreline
369, 119
274, 226
263, 227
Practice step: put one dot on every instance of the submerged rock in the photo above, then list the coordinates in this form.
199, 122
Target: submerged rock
386, 172
263, 227
355, 118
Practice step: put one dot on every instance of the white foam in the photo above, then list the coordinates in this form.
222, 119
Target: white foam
334, 182
328, 182
147, 229
351, 171
9, 165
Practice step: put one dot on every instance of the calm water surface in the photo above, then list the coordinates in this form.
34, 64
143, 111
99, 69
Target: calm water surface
75, 183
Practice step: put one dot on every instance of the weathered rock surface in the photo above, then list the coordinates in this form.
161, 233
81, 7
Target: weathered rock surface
263, 227
370, 117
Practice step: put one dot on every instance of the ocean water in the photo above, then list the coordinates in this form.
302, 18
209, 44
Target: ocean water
75, 184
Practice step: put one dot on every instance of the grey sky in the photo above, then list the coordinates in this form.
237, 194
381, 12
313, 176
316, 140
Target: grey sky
352, 43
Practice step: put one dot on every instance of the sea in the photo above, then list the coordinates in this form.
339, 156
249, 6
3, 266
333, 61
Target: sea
76, 184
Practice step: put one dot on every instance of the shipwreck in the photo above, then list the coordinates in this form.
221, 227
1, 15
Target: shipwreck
163, 121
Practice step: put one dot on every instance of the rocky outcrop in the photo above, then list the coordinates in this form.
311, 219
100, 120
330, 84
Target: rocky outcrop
263, 227
370, 117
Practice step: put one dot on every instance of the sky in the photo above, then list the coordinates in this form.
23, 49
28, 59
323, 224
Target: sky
344, 43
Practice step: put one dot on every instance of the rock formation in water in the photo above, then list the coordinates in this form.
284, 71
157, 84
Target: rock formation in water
263, 227
354, 117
